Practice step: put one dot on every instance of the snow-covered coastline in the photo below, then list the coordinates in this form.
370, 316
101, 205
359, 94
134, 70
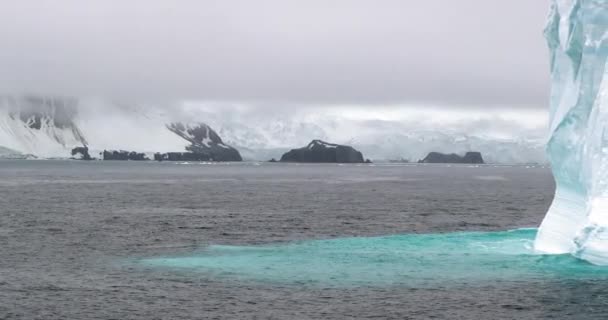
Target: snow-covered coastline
259, 136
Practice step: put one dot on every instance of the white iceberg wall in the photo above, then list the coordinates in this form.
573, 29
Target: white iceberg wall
577, 34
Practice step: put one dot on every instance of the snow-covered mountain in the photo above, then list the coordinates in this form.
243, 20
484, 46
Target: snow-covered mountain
51, 127
39, 126
204, 140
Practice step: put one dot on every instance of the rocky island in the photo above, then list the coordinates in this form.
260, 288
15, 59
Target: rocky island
318, 151
437, 157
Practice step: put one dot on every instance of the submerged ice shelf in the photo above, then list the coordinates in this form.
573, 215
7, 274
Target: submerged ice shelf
577, 222
416, 260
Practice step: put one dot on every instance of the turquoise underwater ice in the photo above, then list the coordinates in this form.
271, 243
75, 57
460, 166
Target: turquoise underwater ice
416, 260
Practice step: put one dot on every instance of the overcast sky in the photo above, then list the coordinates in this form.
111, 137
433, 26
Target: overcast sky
465, 53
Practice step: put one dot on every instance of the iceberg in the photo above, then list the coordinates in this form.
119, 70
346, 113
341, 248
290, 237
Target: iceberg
577, 221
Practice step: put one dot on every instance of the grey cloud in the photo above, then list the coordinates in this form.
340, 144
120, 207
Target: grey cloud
479, 53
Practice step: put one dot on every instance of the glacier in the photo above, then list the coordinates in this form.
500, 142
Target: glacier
577, 221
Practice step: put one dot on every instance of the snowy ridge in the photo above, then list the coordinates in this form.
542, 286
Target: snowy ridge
197, 134
320, 143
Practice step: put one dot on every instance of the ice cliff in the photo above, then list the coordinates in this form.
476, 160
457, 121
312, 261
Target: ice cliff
577, 221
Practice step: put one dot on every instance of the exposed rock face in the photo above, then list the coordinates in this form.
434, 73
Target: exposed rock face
206, 144
82, 153
469, 157
473, 157
124, 155
319, 151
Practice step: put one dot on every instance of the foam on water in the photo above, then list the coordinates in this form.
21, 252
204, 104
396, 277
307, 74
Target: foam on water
417, 260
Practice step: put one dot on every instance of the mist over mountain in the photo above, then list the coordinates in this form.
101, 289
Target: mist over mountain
500, 140
50, 127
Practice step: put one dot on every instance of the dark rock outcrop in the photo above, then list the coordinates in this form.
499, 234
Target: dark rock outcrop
206, 144
319, 151
124, 155
183, 156
469, 157
82, 152
473, 157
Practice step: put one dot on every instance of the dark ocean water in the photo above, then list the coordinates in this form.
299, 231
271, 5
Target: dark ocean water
93, 240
